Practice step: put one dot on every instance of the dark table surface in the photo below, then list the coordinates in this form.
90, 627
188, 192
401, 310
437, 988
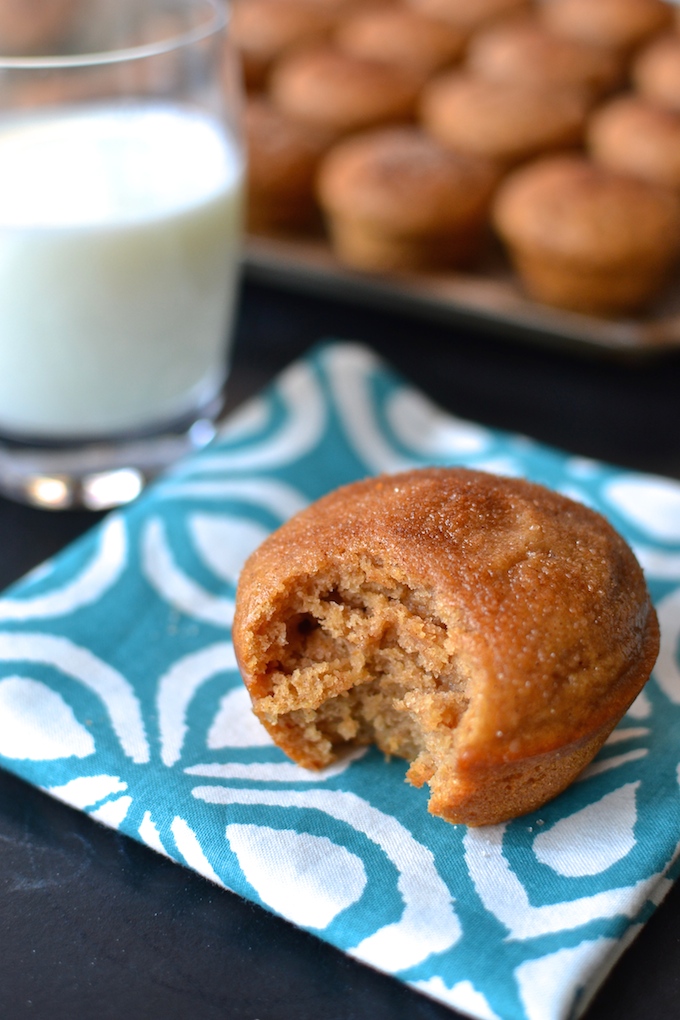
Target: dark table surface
93, 925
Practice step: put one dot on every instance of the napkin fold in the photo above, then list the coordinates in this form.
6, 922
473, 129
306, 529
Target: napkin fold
119, 694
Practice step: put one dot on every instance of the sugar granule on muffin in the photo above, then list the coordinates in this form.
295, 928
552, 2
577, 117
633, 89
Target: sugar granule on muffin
489, 631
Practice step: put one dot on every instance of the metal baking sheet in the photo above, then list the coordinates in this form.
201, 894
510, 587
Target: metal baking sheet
489, 297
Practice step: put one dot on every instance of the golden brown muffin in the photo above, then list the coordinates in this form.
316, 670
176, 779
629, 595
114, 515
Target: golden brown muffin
635, 136
504, 121
525, 50
656, 71
326, 88
395, 199
263, 30
488, 630
283, 157
619, 24
339, 8
401, 36
469, 15
588, 238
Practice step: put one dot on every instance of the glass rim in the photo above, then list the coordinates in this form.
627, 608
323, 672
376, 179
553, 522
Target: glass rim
218, 20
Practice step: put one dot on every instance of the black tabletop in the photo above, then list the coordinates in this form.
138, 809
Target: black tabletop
94, 925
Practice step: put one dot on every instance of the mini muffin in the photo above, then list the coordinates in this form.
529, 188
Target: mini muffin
263, 30
340, 93
635, 136
339, 8
283, 157
403, 37
394, 199
504, 121
489, 631
656, 71
620, 24
587, 238
525, 50
469, 15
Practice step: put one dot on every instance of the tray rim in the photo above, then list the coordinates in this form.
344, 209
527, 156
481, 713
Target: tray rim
488, 298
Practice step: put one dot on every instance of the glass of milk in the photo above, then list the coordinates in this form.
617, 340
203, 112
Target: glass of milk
121, 178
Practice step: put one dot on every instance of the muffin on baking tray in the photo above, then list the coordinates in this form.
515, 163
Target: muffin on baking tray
326, 88
469, 15
401, 36
620, 24
587, 238
656, 71
635, 136
487, 630
508, 122
525, 50
263, 30
394, 199
283, 157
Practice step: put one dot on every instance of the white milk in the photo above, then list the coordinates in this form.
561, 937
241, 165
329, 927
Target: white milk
118, 243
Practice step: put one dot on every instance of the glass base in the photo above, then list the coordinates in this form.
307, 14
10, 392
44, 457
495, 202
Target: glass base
102, 473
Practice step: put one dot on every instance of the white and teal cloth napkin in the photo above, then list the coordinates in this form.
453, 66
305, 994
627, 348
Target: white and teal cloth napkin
119, 694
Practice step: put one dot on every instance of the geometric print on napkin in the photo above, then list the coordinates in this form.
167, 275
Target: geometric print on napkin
119, 694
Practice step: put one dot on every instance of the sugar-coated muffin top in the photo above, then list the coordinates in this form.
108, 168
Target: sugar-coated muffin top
402, 36
635, 136
525, 50
470, 15
621, 24
401, 179
323, 86
571, 206
656, 71
506, 121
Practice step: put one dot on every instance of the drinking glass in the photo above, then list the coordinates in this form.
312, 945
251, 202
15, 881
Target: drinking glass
121, 178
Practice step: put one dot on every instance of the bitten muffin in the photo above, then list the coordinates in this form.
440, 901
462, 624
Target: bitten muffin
619, 24
398, 35
504, 121
635, 136
340, 93
283, 157
264, 30
469, 15
656, 71
487, 630
525, 50
587, 238
395, 199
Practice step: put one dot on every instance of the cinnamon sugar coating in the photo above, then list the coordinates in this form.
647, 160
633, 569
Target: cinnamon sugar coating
588, 238
394, 199
616, 24
486, 629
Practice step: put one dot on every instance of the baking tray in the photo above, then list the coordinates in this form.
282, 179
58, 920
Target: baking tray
490, 298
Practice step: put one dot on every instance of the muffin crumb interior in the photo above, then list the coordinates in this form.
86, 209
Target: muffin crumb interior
363, 661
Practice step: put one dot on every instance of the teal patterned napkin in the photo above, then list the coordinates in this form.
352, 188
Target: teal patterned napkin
119, 694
